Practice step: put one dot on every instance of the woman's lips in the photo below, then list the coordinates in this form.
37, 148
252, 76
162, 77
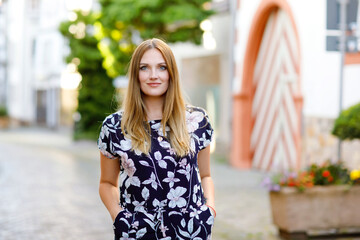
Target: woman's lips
153, 84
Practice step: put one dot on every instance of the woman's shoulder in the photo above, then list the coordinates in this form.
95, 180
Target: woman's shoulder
191, 109
114, 119
198, 122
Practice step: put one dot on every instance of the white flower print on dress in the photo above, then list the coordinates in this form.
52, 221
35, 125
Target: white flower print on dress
135, 225
175, 197
165, 144
184, 210
102, 146
158, 127
186, 171
159, 159
135, 181
206, 142
152, 181
139, 206
157, 203
171, 151
183, 163
171, 179
163, 229
159, 207
145, 193
141, 233
194, 212
128, 165
104, 132
125, 236
125, 144
210, 220
129, 169
193, 119
195, 192
114, 125
190, 233
126, 197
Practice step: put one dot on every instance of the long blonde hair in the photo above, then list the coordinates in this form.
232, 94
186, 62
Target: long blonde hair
134, 124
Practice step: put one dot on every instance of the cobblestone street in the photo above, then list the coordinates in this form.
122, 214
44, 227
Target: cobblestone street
49, 190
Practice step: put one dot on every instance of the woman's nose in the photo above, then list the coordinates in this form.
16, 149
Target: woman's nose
153, 74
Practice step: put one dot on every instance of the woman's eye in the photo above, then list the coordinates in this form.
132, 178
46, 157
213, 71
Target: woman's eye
163, 67
143, 68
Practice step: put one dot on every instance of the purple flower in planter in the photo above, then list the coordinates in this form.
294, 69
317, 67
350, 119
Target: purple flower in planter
275, 188
270, 184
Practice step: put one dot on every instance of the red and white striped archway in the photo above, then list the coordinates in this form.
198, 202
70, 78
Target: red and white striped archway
267, 112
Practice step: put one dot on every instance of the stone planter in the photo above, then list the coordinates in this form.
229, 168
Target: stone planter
318, 209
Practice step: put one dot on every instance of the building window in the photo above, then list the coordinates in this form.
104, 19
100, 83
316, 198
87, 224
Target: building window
34, 5
333, 25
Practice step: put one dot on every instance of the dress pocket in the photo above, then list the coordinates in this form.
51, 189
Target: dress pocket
121, 223
211, 211
207, 215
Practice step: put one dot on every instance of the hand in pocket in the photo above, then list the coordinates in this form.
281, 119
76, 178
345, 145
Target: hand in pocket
121, 222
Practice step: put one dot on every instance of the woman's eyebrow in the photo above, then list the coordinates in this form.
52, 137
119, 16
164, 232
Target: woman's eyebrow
160, 63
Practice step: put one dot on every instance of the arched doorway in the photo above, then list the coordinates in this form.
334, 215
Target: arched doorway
267, 112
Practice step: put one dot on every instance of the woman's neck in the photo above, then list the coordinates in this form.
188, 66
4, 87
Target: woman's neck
154, 107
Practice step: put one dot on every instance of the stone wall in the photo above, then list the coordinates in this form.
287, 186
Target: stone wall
319, 145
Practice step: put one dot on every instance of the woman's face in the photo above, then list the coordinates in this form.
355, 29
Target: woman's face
153, 74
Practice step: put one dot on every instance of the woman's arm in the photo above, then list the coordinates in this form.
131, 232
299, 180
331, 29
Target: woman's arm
205, 174
108, 188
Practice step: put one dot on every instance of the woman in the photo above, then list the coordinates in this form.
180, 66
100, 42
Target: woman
160, 148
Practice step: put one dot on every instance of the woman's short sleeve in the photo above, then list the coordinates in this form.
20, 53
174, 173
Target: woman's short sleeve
205, 131
104, 142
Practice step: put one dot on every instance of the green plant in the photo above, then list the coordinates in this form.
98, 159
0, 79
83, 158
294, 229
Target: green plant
96, 88
329, 173
347, 125
3, 111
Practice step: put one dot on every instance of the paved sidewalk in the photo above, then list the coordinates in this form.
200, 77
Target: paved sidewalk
49, 190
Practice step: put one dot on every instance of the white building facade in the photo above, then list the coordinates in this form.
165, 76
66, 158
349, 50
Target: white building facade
35, 52
286, 85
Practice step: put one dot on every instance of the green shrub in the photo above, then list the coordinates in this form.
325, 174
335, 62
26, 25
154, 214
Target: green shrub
3, 111
347, 125
96, 89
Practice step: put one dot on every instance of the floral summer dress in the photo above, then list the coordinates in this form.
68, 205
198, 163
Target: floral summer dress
160, 193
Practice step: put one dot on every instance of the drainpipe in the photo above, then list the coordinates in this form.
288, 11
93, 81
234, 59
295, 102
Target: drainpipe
342, 43
358, 27
3, 10
233, 11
